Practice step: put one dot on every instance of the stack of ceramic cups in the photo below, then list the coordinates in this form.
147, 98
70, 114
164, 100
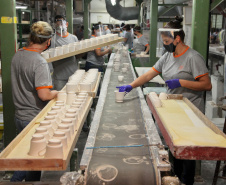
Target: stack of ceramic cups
89, 81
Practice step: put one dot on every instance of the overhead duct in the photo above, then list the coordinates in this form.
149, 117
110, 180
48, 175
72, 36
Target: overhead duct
131, 13
121, 13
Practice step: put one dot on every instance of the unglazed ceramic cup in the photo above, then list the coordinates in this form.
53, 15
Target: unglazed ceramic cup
119, 96
71, 96
85, 87
54, 149
156, 101
61, 96
47, 124
65, 128
69, 122
45, 55
52, 119
61, 136
65, 49
43, 131
55, 114
37, 145
163, 96
120, 78
59, 51
71, 87
73, 117
52, 53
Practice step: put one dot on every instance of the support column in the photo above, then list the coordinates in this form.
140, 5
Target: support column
200, 26
8, 31
86, 18
153, 31
69, 15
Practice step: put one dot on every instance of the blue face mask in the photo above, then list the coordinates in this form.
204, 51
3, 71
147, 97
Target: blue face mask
170, 48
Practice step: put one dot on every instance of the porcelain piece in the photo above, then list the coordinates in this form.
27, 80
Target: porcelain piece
124, 70
163, 96
52, 53
71, 87
37, 145
43, 131
73, 117
45, 55
71, 96
119, 96
61, 136
47, 124
61, 96
69, 122
65, 128
52, 120
54, 149
85, 87
120, 78
65, 49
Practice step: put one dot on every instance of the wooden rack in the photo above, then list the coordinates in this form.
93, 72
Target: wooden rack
84, 50
15, 157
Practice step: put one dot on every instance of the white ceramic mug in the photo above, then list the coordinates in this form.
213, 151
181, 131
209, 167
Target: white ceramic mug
71, 87
54, 149
119, 96
47, 124
65, 49
62, 96
52, 120
45, 55
37, 145
43, 131
71, 96
65, 128
74, 118
52, 53
163, 96
61, 136
59, 51
85, 87
120, 78
69, 122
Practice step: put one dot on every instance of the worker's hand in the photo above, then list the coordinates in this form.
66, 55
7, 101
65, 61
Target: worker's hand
125, 88
174, 83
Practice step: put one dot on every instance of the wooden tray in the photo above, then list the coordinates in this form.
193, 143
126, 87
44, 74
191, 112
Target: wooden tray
189, 152
15, 157
94, 92
120, 39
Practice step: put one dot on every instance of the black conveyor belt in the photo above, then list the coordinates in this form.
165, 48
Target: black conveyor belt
121, 124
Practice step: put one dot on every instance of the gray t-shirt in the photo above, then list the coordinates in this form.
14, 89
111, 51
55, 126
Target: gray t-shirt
129, 38
140, 43
29, 73
64, 68
188, 66
93, 58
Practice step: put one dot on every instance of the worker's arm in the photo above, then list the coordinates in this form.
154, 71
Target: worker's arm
100, 53
146, 77
147, 49
46, 94
202, 83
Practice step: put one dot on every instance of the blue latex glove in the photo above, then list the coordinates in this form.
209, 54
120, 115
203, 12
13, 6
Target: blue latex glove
125, 88
174, 83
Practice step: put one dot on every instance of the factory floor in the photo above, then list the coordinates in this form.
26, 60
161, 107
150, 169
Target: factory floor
207, 173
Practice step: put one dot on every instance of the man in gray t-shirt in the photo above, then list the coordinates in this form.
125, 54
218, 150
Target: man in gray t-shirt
128, 39
64, 68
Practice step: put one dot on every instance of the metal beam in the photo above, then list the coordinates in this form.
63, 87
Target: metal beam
215, 4
8, 31
200, 26
69, 15
153, 31
172, 4
167, 10
86, 18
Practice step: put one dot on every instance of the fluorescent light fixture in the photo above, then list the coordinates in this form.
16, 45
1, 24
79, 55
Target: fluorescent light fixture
21, 7
113, 2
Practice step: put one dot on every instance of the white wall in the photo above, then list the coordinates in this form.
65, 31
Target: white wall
98, 12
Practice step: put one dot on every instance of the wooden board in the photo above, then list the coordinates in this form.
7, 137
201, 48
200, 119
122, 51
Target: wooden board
14, 156
84, 50
192, 152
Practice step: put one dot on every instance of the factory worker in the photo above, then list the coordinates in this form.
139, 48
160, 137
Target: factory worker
95, 58
106, 30
64, 68
184, 72
140, 44
31, 84
128, 39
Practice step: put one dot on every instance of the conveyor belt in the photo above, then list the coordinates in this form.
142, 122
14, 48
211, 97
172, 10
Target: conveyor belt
119, 124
